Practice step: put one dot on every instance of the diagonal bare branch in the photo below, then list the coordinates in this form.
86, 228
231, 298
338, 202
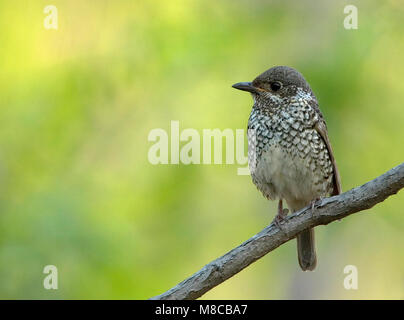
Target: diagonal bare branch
326, 210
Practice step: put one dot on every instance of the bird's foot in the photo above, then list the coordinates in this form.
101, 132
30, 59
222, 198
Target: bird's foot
280, 217
313, 205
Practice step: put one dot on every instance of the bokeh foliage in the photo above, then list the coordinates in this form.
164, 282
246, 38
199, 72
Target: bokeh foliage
78, 103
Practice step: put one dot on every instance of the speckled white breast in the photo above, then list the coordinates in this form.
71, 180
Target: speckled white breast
287, 156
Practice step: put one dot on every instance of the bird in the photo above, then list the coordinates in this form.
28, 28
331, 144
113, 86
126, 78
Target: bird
289, 152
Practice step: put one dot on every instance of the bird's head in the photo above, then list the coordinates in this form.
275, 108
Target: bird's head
275, 84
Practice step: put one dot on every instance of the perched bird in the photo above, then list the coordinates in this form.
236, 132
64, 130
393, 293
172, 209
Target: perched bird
289, 152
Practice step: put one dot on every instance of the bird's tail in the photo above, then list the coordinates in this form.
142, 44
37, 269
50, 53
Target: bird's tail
306, 250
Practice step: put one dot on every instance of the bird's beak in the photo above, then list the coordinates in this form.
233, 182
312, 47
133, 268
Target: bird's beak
245, 86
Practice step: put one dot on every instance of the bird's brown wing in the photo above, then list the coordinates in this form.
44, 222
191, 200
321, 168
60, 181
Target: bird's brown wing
321, 128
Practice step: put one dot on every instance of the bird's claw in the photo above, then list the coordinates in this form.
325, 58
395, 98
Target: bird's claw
280, 217
313, 206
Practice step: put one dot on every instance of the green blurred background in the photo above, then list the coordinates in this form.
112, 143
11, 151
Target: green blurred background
77, 104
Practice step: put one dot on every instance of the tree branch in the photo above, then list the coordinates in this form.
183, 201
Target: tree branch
326, 210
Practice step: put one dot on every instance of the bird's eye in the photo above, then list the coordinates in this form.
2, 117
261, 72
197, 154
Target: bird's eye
275, 86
